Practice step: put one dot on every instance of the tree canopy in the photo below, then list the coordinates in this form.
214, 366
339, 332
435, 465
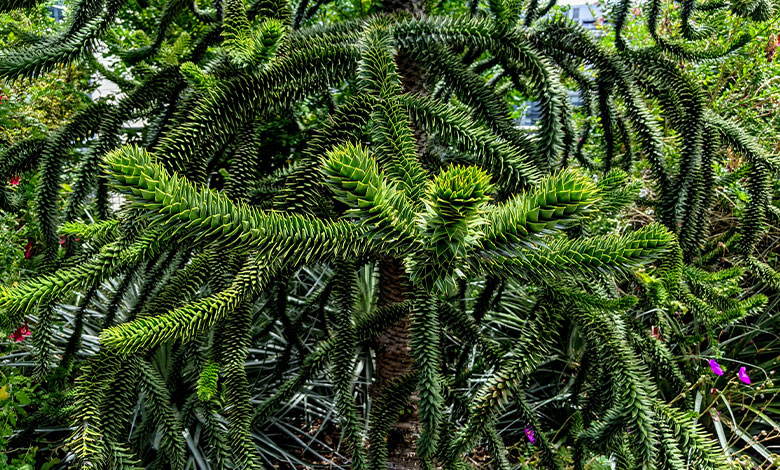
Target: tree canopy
341, 189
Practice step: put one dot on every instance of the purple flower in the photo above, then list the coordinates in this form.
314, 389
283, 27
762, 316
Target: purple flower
716, 369
530, 434
743, 376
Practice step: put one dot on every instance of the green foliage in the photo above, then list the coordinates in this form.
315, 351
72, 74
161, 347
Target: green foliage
555, 201
207, 383
378, 152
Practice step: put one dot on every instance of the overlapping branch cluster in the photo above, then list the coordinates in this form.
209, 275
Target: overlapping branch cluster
480, 198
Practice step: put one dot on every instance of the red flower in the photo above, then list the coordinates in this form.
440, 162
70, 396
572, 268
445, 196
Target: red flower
14, 180
28, 250
771, 45
656, 332
62, 239
21, 333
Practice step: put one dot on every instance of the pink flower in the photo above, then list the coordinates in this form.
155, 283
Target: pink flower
28, 250
743, 376
716, 369
21, 333
14, 181
530, 434
636, 11
62, 239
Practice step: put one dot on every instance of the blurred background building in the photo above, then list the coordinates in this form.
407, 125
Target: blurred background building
587, 14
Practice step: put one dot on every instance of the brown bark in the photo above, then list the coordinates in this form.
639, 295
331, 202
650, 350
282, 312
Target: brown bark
415, 7
393, 345
413, 81
393, 360
393, 350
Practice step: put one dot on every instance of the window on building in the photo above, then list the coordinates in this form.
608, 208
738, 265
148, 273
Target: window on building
575, 13
57, 12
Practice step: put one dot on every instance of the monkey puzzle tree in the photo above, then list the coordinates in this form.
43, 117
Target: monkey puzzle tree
426, 181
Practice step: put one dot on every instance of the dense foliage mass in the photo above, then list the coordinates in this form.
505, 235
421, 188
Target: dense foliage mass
289, 212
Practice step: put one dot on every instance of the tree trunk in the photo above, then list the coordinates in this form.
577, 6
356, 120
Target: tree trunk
393, 360
393, 350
